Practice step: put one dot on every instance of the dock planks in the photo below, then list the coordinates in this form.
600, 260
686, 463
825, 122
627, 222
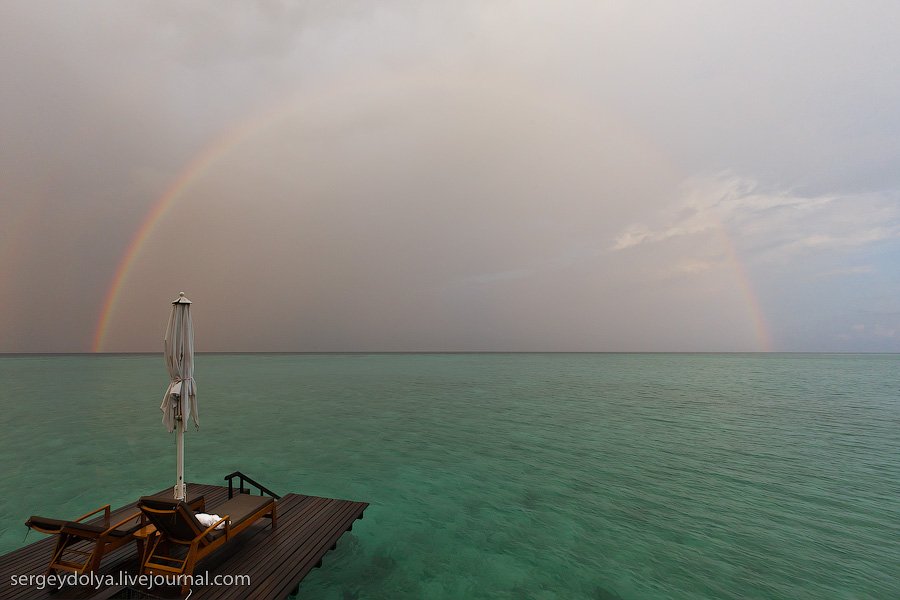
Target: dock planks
275, 560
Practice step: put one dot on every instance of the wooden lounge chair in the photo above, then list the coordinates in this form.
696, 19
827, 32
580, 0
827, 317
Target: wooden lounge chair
182, 541
80, 558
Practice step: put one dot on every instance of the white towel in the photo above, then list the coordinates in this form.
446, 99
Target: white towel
207, 520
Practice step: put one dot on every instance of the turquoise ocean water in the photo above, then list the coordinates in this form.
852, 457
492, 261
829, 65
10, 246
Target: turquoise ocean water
596, 476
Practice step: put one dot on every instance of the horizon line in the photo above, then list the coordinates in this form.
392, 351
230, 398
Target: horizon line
344, 352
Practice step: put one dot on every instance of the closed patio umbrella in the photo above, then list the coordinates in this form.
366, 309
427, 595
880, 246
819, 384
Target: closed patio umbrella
181, 395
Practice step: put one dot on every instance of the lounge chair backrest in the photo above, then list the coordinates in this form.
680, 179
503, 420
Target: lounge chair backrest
173, 517
45, 524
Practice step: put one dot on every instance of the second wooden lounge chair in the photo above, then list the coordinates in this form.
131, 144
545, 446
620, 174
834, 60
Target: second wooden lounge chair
182, 541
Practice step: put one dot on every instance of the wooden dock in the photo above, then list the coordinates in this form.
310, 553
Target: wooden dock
276, 561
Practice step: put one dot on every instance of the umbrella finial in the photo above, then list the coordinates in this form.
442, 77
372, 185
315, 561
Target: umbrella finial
181, 299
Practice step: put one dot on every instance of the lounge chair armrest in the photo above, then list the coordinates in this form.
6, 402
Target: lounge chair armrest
104, 508
123, 521
210, 529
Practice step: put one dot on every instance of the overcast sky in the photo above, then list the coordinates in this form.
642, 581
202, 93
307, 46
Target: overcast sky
426, 176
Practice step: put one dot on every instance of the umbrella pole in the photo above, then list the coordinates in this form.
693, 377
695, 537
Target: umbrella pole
179, 454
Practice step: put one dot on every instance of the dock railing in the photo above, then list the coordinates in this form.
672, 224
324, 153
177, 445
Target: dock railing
244, 479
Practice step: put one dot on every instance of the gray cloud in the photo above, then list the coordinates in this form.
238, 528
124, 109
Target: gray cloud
772, 225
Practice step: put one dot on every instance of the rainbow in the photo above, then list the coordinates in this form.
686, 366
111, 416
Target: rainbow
229, 140
199, 165
194, 169
760, 325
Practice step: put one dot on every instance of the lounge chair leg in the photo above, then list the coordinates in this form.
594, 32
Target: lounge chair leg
149, 551
93, 562
188, 573
274, 516
61, 544
57, 552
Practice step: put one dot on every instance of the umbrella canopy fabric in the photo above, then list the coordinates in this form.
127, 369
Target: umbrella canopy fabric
181, 395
